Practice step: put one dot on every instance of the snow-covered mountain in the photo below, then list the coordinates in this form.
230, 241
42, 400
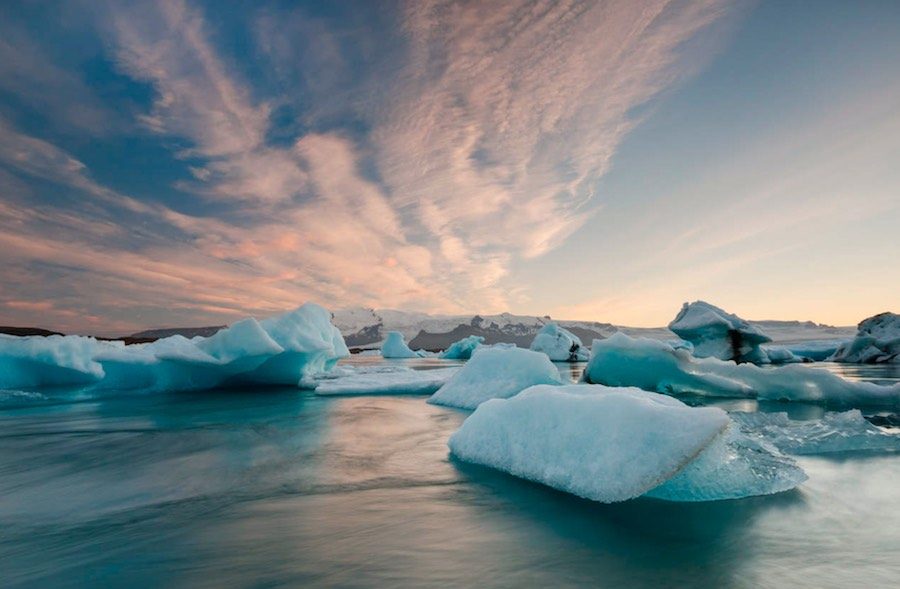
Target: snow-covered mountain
365, 328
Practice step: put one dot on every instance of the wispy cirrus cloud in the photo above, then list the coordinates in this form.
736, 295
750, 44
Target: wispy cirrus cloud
476, 140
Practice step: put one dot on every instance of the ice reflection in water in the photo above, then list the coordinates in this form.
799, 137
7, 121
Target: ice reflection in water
284, 488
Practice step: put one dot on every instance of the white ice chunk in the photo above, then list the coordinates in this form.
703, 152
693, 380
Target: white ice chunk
463, 349
835, 432
394, 346
38, 361
494, 373
718, 334
655, 366
877, 341
400, 381
560, 344
613, 444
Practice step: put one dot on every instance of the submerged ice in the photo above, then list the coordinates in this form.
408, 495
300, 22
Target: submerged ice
282, 350
613, 444
656, 366
847, 431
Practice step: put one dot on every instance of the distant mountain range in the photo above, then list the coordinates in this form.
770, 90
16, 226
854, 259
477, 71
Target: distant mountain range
365, 328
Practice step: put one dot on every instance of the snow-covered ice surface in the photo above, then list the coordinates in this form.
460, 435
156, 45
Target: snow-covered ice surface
496, 373
384, 380
613, 444
656, 366
394, 346
281, 350
560, 344
877, 341
718, 334
463, 349
846, 431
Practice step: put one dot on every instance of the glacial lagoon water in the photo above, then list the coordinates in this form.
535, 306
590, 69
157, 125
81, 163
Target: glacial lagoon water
266, 488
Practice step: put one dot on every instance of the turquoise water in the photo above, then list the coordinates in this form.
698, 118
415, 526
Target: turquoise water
279, 487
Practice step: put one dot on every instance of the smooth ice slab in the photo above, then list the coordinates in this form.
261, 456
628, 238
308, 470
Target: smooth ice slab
394, 346
656, 366
718, 334
463, 349
561, 345
495, 373
613, 444
398, 380
847, 431
877, 341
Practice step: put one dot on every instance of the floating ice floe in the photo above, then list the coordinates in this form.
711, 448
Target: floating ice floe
495, 373
848, 431
394, 346
877, 341
560, 344
613, 444
397, 380
653, 365
815, 350
718, 334
463, 349
282, 350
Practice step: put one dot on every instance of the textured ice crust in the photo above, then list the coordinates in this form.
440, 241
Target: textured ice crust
835, 432
394, 346
495, 373
280, 350
396, 380
560, 344
463, 349
656, 366
613, 444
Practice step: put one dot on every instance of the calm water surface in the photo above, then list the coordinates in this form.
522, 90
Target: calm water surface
279, 487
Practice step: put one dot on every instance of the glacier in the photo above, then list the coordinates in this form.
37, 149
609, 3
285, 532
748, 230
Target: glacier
656, 366
463, 349
877, 341
718, 334
494, 373
394, 346
282, 350
846, 431
614, 444
560, 344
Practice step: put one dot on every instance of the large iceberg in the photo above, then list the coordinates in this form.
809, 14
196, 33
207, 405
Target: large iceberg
394, 346
463, 349
848, 431
560, 344
613, 444
495, 373
653, 365
718, 334
282, 350
877, 341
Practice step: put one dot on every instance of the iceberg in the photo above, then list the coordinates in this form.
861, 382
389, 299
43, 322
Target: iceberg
394, 346
847, 431
560, 344
282, 350
463, 349
718, 334
614, 444
814, 350
393, 380
653, 365
877, 341
495, 373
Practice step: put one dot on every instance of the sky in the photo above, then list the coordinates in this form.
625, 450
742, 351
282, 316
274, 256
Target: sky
193, 162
